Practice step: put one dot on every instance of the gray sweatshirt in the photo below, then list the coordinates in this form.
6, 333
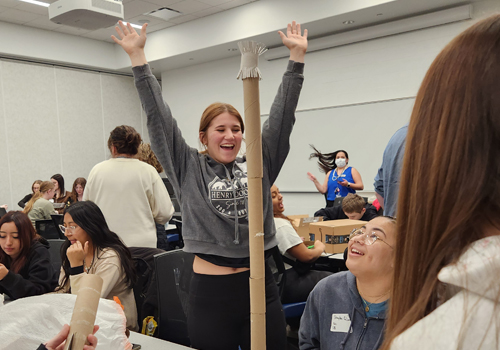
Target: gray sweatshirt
334, 317
214, 196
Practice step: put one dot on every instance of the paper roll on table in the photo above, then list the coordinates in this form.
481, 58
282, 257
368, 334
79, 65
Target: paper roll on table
84, 313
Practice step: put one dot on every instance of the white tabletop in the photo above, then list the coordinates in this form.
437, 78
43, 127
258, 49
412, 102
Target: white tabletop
339, 256
150, 343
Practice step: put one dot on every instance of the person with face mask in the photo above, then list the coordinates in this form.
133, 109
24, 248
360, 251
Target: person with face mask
340, 179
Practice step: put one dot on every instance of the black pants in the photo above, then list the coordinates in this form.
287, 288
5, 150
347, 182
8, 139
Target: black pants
219, 312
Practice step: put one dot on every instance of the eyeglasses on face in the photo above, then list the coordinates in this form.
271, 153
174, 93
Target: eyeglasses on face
69, 229
367, 238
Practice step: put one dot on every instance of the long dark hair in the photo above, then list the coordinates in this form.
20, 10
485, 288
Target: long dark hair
89, 217
26, 236
60, 180
450, 183
326, 161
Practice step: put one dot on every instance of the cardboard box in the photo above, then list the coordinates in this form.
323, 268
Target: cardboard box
301, 224
334, 233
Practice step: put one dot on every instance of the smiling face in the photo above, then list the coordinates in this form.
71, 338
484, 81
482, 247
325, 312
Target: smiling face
278, 206
223, 138
9, 240
74, 232
56, 184
376, 259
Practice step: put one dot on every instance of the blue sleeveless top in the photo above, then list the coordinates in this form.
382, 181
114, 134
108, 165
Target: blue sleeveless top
337, 190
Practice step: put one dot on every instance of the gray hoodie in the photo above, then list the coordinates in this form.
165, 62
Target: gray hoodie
214, 196
334, 317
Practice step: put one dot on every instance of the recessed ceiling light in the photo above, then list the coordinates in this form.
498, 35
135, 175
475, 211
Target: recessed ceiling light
191, 59
348, 22
133, 25
39, 3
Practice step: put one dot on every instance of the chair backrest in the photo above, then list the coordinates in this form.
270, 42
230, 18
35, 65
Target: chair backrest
3, 211
58, 219
173, 272
55, 254
47, 229
144, 266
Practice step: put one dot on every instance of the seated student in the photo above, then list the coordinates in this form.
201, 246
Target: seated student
39, 207
60, 194
93, 248
25, 267
348, 309
300, 279
353, 207
34, 189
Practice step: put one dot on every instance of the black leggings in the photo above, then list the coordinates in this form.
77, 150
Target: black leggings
219, 312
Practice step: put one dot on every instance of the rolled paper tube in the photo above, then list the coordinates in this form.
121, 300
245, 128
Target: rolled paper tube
250, 74
84, 312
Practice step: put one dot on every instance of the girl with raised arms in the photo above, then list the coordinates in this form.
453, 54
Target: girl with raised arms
212, 187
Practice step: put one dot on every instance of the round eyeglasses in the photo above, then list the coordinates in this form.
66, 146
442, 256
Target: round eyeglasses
367, 238
69, 229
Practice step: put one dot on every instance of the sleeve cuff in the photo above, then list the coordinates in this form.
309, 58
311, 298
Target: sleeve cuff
295, 67
141, 71
76, 270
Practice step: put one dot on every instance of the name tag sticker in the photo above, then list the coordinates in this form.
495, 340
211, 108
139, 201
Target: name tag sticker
340, 323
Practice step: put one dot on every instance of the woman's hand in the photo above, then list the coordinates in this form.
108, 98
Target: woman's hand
3, 271
343, 183
131, 42
76, 253
311, 177
295, 41
58, 342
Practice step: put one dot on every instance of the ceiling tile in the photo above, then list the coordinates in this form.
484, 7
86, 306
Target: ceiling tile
164, 3
214, 2
182, 19
154, 28
150, 19
234, 3
189, 6
44, 23
9, 3
39, 10
138, 7
16, 16
207, 12
3, 9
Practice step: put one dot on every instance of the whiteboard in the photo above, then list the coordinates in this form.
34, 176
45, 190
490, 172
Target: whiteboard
363, 130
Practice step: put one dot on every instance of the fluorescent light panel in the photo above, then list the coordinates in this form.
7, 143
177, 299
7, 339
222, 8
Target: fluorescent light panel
35, 2
378, 31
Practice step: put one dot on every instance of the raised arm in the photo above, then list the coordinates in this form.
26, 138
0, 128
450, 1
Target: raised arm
322, 188
277, 129
166, 138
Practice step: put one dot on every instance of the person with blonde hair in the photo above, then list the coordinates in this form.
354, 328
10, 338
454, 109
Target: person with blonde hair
446, 288
39, 207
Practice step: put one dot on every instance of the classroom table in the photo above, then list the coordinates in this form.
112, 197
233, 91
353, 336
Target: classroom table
151, 343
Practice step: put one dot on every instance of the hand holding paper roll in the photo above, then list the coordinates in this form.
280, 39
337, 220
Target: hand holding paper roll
82, 321
58, 342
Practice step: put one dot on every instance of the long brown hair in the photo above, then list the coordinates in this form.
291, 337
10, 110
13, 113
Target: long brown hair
44, 187
79, 181
450, 183
26, 236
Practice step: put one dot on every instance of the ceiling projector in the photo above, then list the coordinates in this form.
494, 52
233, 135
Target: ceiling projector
86, 14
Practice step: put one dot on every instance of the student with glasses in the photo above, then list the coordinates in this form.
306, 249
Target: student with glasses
94, 249
348, 309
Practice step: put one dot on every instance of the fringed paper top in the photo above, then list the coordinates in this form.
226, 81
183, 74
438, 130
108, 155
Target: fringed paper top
250, 52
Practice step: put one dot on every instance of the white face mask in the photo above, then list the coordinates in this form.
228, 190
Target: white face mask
340, 162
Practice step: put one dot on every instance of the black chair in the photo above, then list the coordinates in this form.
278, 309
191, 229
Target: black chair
55, 254
58, 219
47, 229
2, 212
173, 272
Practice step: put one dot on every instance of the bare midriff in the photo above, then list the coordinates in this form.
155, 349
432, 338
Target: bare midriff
204, 267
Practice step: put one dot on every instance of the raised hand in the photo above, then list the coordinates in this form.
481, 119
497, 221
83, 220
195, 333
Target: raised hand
131, 42
311, 176
295, 41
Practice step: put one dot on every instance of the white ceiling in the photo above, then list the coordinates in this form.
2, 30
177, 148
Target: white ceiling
26, 14
208, 29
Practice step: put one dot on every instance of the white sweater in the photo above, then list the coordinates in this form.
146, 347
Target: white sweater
471, 318
132, 197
